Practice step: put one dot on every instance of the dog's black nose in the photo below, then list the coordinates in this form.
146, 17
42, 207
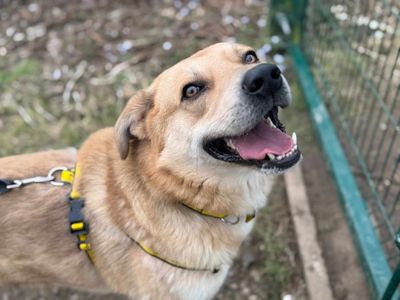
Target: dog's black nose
262, 80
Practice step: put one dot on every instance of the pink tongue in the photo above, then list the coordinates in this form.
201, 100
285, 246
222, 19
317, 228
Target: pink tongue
261, 140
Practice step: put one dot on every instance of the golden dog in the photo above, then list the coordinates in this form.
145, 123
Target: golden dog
169, 193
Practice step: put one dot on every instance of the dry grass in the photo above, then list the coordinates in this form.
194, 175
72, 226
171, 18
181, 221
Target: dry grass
67, 69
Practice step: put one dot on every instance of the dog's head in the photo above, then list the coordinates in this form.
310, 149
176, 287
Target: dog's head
214, 112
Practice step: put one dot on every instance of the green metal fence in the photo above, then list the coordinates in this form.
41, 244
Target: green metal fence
346, 54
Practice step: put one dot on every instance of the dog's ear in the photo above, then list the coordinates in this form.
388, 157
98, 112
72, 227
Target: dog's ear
131, 122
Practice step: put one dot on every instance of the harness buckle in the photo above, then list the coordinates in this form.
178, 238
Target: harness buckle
77, 224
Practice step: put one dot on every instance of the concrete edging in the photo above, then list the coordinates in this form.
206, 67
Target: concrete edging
314, 268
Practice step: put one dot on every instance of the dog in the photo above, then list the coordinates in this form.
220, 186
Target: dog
169, 193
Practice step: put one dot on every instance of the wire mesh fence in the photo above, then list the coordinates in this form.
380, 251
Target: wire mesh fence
353, 50
353, 47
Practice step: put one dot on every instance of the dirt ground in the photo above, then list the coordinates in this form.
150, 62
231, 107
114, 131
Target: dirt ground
346, 276
343, 266
68, 67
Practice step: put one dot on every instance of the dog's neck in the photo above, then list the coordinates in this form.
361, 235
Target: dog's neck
146, 205
167, 191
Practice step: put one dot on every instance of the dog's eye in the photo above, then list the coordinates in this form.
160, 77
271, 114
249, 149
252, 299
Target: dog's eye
250, 57
191, 90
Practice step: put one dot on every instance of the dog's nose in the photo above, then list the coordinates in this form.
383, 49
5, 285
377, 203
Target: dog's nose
262, 80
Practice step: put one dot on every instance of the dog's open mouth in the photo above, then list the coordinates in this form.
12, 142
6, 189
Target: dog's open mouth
266, 145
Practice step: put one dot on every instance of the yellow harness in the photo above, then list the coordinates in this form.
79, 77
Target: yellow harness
79, 227
77, 224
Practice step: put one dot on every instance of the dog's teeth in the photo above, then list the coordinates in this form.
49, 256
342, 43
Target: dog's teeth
229, 143
294, 138
271, 156
269, 122
279, 157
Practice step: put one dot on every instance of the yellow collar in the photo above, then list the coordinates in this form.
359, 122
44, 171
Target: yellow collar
232, 220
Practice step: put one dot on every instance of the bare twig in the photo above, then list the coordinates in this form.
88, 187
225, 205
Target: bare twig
80, 69
109, 77
25, 116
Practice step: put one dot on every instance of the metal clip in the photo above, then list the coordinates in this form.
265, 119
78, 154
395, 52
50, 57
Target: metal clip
51, 174
15, 184
38, 179
232, 220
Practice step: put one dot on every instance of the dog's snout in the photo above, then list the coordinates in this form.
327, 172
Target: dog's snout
262, 80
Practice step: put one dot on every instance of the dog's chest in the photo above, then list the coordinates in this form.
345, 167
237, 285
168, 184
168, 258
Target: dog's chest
193, 285
186, 284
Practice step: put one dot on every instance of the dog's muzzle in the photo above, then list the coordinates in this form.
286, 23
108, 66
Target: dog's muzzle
266, 144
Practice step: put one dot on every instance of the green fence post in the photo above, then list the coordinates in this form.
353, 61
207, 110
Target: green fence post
395, 280
393, 284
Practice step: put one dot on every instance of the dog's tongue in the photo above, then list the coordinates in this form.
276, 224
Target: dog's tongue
261, 140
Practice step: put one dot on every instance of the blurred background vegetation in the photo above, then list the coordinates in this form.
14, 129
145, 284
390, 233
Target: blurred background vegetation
68, 67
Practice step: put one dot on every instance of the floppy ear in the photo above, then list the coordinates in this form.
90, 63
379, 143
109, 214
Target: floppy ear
131, 122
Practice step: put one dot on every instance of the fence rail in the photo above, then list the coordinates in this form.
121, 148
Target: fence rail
352, 49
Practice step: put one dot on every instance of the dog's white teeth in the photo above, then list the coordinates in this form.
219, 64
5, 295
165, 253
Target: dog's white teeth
269, 122
279, 157
271, 156
230, 144
294, 138
272, 124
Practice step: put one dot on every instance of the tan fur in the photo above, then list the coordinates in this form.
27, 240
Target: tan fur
35, 245
140, 194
